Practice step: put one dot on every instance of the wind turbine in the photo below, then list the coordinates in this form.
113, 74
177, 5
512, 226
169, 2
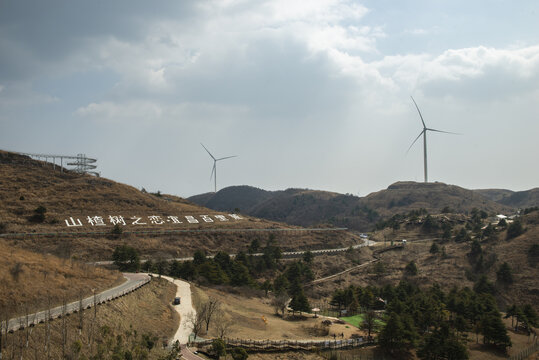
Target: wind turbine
424, 133
214, 169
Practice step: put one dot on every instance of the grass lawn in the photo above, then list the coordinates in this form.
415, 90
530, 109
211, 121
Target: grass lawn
356, 321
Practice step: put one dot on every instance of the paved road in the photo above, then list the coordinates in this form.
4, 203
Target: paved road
133, 282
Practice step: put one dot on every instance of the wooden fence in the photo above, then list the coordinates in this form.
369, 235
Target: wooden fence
524, 354
288, 345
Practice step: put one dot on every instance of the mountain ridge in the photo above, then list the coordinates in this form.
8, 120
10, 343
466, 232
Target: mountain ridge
306, 207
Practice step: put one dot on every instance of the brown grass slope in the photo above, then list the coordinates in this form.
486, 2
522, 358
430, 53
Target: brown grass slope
494, 194
455, 269
404, 196
522, 199
28, 281
26, 184
116, 328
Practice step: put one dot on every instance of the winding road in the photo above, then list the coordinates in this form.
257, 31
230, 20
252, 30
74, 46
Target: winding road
133, 282
185, 309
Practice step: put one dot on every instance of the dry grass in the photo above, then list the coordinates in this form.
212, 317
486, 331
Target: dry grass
247, 313
451, 270
146, 311
26, 184
28, 279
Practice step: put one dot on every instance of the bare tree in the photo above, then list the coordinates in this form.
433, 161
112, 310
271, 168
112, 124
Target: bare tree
369, 322
81, 316
64, 328
93, 323
1, 334
48, 327
208, 310
195, 320
280, 302
16, 271
223, 324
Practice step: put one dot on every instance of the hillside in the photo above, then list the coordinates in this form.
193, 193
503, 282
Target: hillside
75, 215
522, 199
494, 194
456, 267
32, 280
310, 207
404, 196
516, 199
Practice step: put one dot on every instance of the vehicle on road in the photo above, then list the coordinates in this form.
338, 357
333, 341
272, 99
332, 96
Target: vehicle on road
177, 300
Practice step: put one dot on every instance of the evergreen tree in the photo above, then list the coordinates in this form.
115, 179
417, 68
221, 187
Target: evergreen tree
514, 229
199, 257
299, 301
531, 315
462, 236
504, 274
483, 286
441, 344
239, 275
398, 335
219, 348
475, 251
126, 258
254, 247
494, 331
411, 268
280, 284
434, 248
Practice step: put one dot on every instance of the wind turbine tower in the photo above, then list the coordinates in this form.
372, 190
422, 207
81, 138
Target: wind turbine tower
424, 133
214, 169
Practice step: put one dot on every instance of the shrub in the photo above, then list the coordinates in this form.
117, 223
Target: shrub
533, 254
411, 268
462, 236
117, 230
515, 229
39, 214
504, 274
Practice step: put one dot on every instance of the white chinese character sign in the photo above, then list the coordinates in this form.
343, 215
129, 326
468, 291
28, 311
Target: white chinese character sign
112, 220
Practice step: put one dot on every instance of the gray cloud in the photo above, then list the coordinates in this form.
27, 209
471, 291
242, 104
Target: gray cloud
307, 93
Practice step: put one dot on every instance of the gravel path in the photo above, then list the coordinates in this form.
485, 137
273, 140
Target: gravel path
184, 309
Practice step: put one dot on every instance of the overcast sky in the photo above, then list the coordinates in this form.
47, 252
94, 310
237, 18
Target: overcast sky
310, 94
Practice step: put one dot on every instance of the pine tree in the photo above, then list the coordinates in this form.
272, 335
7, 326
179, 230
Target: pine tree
504, 274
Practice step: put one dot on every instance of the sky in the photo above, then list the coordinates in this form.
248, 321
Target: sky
310, 94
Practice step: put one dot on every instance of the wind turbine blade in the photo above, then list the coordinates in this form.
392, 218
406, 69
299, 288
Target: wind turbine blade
418, 136
228, 157
207, 151
212, 170
445, 132
421, 116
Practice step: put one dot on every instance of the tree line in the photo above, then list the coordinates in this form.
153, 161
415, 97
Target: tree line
434, 322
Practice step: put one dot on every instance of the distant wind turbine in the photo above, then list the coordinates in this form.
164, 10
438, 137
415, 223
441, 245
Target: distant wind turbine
214, 169
424, 133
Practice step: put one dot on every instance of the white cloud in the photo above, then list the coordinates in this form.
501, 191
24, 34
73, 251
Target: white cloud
417, 31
